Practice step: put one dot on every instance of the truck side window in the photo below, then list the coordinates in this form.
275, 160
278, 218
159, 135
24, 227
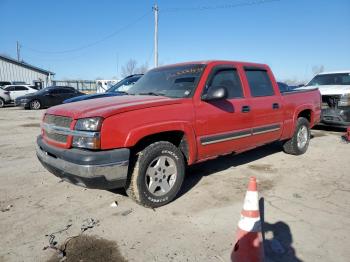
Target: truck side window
229, 79
259, 83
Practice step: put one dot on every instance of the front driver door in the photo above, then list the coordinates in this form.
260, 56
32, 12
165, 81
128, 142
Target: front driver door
52, 97
223, 126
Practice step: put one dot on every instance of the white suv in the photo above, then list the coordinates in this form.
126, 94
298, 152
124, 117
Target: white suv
19, 90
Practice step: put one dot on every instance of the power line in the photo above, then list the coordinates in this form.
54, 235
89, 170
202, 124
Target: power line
92, 43
223, 6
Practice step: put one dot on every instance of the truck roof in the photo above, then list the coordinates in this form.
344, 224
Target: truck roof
207, 62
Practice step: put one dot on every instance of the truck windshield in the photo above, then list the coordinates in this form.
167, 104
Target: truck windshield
330, 79
174, 81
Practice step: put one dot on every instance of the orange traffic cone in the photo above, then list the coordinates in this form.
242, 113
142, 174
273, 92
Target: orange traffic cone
249, 246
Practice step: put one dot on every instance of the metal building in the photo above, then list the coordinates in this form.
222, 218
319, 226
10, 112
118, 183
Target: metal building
12, 70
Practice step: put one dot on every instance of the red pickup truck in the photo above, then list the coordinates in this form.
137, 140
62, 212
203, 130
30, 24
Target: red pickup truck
174, 116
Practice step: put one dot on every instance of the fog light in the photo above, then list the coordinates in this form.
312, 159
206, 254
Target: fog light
86, 142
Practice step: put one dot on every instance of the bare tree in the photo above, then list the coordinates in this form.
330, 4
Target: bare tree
129, 68
318, 69
142, 68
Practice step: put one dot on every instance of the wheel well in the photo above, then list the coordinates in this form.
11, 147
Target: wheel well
178, 138
306, 114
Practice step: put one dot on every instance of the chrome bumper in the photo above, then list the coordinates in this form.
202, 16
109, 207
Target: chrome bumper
104, 175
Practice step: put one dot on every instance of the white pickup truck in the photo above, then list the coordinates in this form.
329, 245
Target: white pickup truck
335, 90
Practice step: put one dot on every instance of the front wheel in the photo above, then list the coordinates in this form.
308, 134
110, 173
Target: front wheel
35, 105
157, 175
300, 140
2, 103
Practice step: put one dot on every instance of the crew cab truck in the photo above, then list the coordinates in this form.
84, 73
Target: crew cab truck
174, 116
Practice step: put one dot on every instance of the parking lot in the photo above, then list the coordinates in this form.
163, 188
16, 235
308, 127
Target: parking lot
304, 200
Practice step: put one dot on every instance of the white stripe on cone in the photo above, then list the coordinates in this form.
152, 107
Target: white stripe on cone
251, 201
249, 224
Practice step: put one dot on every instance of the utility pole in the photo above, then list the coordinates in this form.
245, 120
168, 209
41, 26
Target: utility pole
156, 10
18, 51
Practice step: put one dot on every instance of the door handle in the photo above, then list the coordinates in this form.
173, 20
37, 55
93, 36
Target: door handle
275, 106
245, 109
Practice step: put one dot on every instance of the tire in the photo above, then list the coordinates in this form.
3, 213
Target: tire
300, 140
35, 105
157, 174
2, 102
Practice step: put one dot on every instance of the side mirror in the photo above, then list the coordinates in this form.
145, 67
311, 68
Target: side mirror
215, 93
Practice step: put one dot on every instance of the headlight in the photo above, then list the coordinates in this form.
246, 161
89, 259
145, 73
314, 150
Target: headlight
87, 135
87, 142
344, 100
89, 124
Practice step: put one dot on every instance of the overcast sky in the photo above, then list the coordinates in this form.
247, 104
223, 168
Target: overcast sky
89, 39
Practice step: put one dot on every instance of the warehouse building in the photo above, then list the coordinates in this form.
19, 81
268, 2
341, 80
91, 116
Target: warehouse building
14, 71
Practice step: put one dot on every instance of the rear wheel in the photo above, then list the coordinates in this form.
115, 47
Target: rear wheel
300, 140
157, 175
2, 102
35, 105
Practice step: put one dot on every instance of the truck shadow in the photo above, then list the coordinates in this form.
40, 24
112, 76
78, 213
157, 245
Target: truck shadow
277, 239
329, 128
196, 172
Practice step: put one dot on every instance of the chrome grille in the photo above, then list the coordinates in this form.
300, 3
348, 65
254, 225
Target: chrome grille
61, 121
56, 137
58, 121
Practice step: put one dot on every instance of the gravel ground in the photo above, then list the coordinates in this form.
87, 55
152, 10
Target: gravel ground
305, 198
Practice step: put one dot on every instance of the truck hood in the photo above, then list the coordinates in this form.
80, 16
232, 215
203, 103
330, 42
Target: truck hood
331, 89
108, 106
92, 96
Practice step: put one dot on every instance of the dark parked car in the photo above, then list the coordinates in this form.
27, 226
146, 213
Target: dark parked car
285, 88
118, 89
49, 96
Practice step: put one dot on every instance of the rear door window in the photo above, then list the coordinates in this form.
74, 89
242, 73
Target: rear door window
259, 83
21, 88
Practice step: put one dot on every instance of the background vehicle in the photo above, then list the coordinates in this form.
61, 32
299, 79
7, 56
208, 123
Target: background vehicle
285, 88
4, 97
4, 83
49, 96
117, 90
335, 91
19, 90
175, 115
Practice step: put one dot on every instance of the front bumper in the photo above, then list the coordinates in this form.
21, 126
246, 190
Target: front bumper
21, 103
92, 169
336, 116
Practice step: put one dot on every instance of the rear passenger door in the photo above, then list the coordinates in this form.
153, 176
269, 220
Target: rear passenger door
266, 106
20, 91
223, 126
64, 93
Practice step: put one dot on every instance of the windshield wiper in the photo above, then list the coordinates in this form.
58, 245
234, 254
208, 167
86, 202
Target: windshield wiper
151, 94
123, 92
